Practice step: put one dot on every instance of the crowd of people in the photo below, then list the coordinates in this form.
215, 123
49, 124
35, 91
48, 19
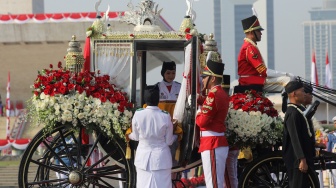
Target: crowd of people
155, 129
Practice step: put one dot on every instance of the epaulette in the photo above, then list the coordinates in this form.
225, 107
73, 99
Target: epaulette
139, 109
164, 111
177, 82
213, 90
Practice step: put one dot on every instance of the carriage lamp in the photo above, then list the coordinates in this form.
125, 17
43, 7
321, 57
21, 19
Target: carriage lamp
74, 59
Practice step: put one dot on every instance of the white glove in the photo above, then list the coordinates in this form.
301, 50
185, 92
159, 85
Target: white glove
274, 73
198, 110
189, 98
291, 76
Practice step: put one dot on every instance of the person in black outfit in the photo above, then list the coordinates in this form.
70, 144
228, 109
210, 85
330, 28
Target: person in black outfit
298, 137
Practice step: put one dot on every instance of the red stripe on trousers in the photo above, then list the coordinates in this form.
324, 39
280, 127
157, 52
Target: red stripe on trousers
213, 168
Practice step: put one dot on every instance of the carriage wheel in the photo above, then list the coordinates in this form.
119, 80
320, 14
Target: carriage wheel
65, 162
270, 171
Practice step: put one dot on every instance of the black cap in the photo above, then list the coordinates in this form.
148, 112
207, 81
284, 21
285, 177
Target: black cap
214, 69
292, 86
251, 24
226, 81
168, 66
308, 88
152, 95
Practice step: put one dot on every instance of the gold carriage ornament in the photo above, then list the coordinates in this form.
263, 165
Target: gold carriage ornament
210, 45
144, 19
74, 59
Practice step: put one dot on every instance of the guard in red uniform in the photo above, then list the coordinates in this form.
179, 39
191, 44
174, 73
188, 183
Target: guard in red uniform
211, 121
251, 66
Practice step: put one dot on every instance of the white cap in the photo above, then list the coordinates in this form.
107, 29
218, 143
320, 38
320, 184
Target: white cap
334, 118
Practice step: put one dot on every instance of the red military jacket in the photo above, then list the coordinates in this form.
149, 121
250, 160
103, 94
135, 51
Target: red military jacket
251, 66
212, 118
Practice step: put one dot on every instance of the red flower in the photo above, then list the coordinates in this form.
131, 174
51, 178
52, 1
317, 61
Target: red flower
79, 89
96, 95
52, 82
59, 65
253, 101
113, 100
188, 36
103, 98
187, 30
51, 66
63, 90
71, 86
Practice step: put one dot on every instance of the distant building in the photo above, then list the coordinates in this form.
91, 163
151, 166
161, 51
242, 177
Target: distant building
218, 24
320, 36
21, 7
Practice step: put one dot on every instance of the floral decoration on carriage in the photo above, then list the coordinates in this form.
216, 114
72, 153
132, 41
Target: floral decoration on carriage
69, 95
252, 120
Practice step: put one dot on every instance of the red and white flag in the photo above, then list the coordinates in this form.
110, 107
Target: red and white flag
314, 77
328, 75
8, 108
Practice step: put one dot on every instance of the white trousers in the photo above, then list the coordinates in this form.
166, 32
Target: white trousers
231, 174
214, 166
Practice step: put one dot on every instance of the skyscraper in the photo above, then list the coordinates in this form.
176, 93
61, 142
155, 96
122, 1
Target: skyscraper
320, 36
218, 27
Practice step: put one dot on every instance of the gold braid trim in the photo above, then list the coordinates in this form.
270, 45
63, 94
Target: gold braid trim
298, 109
261, 68
252, 28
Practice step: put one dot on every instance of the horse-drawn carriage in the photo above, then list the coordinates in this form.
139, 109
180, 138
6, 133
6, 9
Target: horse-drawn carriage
84, 132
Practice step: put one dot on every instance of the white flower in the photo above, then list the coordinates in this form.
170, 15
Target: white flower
117, 113
81, 116
60, 99
87, 108
42, 105
42, 96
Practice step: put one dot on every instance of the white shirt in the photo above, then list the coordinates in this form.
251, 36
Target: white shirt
174, 91
153, 128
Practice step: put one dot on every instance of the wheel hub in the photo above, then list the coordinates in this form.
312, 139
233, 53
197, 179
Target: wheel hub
75, 177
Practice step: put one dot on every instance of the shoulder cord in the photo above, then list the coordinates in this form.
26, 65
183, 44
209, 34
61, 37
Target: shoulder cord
255, 45
298, 109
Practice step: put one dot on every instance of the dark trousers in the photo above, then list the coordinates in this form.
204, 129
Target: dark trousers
297, 179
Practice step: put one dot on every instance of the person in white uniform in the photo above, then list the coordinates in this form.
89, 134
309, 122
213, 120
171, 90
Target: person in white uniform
169, 89
153, 128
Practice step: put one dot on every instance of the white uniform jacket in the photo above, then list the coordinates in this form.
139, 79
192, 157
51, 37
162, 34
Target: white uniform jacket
172, 95
153, 128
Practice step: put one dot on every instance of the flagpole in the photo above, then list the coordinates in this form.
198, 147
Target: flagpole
8, 108
328, 78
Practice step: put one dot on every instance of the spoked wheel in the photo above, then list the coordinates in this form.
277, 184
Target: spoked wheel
270, 171
66, 162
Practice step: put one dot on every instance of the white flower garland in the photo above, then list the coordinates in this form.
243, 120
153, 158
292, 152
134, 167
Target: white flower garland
80, 108
298, 109
252, 128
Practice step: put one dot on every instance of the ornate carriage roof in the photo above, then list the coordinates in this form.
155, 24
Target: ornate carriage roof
145, 19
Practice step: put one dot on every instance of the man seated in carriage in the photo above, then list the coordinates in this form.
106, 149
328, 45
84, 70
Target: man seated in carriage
252, 70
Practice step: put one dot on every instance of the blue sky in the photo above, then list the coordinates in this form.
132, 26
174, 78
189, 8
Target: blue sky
288, 18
